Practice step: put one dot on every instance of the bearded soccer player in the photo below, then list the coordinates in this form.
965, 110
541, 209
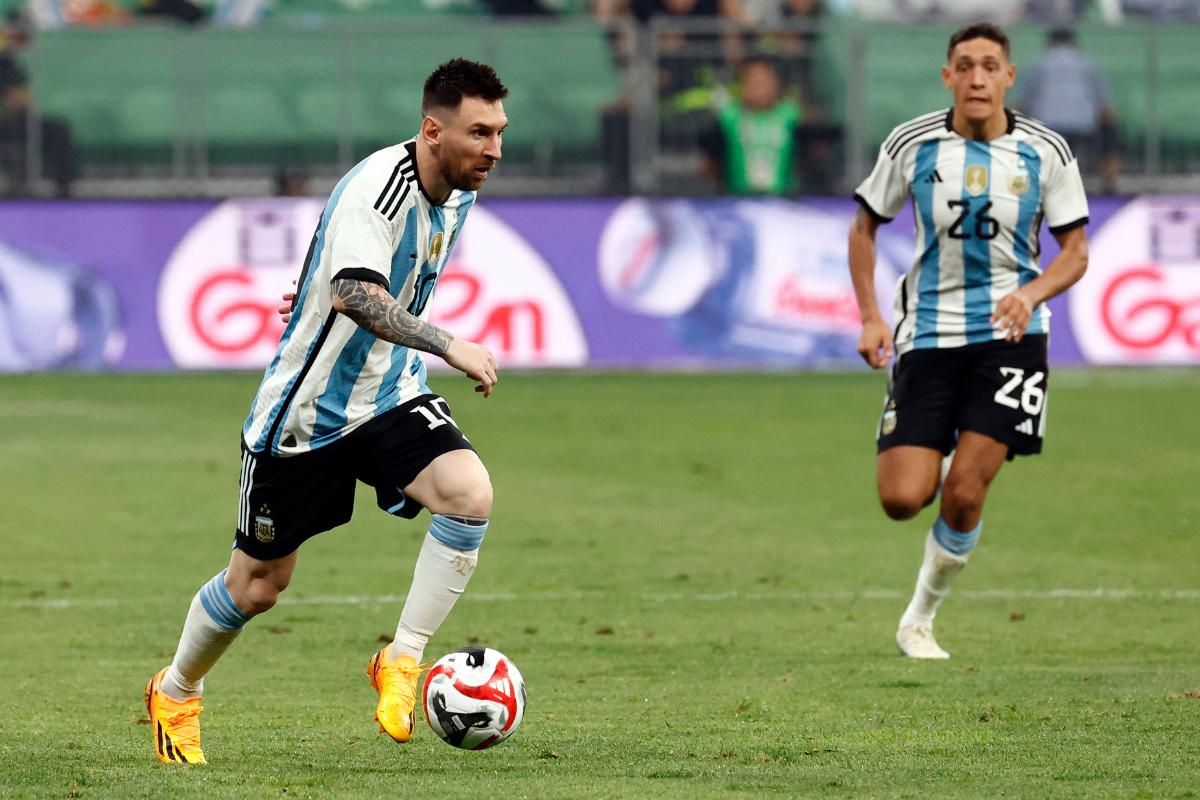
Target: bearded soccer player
970, 379
345, 399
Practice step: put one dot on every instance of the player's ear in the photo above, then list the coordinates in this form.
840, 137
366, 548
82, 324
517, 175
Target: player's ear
431, 130
1012, 74
946, 73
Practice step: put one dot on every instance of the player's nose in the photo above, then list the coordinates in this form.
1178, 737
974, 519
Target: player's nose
493, 148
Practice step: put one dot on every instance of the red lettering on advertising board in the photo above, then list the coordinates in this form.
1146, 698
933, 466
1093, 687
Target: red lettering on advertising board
794, 298
503, 320
1154, 316
210, 324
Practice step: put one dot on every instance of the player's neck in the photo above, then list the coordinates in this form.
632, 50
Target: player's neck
993, 127
437, 189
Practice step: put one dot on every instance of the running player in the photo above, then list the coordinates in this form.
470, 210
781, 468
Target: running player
970, 336
345, 400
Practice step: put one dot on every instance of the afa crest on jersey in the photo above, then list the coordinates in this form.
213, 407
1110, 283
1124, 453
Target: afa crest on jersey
435, 246
1018, 184
976, 179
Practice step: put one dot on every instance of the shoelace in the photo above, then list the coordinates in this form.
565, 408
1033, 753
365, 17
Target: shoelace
185, 726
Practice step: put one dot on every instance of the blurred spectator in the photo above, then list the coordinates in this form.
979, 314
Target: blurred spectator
751, 149
1162, 9
291, 183
1066, 90
693, 49
789, 29
57, 13
179, 10
16, 124
520, 8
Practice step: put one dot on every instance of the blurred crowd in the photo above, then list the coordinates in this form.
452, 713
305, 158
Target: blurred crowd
737, 85
54, 13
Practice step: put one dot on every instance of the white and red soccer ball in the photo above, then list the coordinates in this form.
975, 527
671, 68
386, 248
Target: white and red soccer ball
474, 698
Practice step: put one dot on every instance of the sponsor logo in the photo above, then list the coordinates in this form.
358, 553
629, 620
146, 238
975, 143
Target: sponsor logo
1139, 302
740, 279
221, 286
976, 179
1025, 427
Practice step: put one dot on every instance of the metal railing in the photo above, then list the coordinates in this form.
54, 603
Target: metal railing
628, 120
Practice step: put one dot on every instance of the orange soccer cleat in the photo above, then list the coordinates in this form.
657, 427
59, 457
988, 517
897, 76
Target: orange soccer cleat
174, 725
396, 681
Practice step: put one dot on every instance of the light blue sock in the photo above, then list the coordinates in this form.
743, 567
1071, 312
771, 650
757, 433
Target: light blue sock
212, 623
960, 543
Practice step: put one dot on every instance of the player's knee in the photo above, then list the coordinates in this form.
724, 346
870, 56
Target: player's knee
962, 501
260, 595
469, 498
903, 503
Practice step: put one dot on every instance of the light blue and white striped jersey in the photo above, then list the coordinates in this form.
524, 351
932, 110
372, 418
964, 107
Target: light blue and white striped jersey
329, 375
978, 209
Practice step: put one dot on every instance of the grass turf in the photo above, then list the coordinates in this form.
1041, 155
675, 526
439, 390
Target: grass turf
691, 571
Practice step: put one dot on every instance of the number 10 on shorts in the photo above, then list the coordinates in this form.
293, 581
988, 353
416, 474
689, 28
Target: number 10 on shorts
438, 413
1032, 394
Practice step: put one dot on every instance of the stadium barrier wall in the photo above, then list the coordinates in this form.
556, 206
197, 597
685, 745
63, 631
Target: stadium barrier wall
635, 283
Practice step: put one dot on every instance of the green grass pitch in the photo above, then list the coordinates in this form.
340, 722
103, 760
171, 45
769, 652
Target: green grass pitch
691, 571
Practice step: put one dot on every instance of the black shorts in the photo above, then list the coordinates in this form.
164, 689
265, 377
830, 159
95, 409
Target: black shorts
996, 388
284, 501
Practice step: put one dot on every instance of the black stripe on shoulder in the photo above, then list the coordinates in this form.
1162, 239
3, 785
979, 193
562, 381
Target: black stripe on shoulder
1058, 230
403, 196
1034, 122
913, 135
388, 186
862, 201
1048, 133
362, 274
915, 122
401, 185
1063, 151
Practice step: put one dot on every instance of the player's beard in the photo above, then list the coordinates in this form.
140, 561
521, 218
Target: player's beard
465, 179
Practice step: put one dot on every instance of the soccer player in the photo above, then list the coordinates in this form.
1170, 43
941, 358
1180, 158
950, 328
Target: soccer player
971, 376
345, 400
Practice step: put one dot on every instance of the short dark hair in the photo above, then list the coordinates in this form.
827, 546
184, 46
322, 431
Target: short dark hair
458, 78
979, 30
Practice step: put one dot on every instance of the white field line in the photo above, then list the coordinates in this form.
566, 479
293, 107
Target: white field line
1185, 595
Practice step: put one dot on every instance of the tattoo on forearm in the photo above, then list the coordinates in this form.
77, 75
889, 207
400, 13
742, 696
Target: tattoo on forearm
370, 306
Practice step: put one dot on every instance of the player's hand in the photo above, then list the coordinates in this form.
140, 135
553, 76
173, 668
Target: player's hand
875, 343
1012, 315
476, 361
289, 303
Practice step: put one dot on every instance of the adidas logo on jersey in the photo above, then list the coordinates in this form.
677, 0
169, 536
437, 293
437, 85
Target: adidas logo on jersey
934, 177
1026, 427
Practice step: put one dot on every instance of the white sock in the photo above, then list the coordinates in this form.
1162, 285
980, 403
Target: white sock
440, 576
213, 622
938, 570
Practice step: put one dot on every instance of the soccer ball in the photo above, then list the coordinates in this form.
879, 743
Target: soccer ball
474, 698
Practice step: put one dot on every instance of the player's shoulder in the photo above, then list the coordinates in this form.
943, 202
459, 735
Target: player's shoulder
1040, 136
384, 179
916, 130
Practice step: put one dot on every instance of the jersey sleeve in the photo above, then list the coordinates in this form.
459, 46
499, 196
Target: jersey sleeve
362, 245
1065, 204
884, 191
